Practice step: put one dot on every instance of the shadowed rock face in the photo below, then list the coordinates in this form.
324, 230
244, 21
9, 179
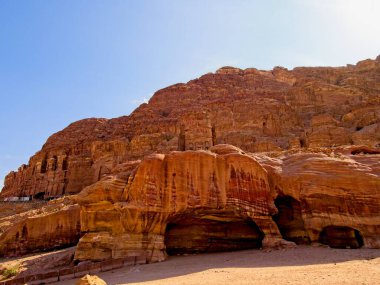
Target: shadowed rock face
252, 109
188, 234
341, 237
289, 220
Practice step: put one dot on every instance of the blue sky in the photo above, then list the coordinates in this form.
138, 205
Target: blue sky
64, 60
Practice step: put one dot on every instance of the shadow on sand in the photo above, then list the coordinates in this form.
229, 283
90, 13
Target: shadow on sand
184, 265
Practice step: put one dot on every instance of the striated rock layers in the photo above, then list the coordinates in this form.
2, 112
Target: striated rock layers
54, 225
255, 110
204, 201
224, 199
336, 193
232, 160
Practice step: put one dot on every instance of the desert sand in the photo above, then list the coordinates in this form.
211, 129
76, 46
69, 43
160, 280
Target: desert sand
301, 265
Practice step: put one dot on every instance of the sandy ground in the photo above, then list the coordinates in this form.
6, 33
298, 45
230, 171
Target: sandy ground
302, 265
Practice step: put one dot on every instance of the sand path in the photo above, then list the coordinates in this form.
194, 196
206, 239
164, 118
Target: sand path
302, 265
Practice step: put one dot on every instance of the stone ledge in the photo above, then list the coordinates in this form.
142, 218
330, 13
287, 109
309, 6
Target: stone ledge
76, 271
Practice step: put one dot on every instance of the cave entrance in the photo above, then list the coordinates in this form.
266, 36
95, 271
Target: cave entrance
341, 237
289, 220
200, 235
39, 196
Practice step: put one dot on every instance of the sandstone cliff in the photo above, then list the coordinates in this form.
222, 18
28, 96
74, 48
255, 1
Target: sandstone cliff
54, 225
225, 199
315, 191
235, 159
210, 195
255, 110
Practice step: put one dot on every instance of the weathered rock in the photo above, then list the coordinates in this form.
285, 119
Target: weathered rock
198, 200
167, 179
55, 225
90, 280
14, 208
336, 190
252, 109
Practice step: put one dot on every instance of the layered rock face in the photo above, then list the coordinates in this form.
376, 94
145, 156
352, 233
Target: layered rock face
319, 192
252, 109
233, 160
223, 194
54, 225
224, 199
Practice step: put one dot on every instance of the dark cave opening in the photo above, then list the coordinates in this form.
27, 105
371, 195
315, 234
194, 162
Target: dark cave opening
302, 142
43, 166
24, 234
39, 196
365, 150
289, 220
341, 237
64, 164
197, 235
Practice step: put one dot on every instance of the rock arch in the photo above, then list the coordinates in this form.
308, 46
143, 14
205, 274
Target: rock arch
205, 232
219, 189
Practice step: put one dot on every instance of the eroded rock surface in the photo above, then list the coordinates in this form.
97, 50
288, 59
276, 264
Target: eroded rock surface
252, 109
224, 199
214, 192
234, 159
54, 225
319, 190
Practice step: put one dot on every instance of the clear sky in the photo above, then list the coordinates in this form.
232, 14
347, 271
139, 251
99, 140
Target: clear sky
65, 60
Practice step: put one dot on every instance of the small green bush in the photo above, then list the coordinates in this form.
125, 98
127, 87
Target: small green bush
10, 272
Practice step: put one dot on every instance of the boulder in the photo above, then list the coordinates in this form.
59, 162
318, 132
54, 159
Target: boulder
90, 280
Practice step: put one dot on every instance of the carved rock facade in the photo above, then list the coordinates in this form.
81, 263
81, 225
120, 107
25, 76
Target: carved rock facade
280, 109
223, 199
304, 167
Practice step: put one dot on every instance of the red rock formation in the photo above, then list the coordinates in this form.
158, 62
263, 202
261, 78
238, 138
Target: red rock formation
318, 180
224, 192
55, 225
337, 189
252, 109
223, 199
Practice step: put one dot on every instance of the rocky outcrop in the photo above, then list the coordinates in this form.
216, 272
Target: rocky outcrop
234, 159
224, 199
255, 110
332, 190
54, 225
215, 200
198, 200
